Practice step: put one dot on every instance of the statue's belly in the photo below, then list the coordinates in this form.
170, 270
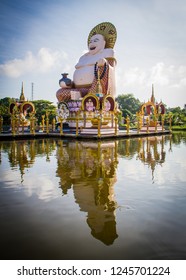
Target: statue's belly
84, 76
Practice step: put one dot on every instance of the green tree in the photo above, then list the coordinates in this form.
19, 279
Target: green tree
128, 103
4, 109
178, 115
41, 106
129, 106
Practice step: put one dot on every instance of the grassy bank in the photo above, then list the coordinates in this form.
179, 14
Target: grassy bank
179, 127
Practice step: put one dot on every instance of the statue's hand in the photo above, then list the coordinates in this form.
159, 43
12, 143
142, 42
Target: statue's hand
101, 61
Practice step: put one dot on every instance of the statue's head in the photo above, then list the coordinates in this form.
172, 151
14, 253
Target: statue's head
96, 44
105, 33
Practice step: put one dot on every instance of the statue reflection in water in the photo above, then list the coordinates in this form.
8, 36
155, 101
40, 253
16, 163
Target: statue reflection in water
90, 169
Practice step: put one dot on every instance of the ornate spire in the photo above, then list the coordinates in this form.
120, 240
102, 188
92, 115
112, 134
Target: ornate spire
152, 96
22, 97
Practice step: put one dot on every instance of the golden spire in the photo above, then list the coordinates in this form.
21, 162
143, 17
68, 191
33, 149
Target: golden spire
22, 97
152, 96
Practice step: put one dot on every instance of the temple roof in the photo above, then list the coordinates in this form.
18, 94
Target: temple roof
152, 96
22, 97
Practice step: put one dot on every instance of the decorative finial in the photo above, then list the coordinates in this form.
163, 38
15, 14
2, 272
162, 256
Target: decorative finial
152, 97
22, 97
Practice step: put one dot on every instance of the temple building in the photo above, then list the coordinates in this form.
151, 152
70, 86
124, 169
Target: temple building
151, 113
20, 111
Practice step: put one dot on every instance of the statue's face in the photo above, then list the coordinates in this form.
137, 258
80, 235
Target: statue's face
97, 43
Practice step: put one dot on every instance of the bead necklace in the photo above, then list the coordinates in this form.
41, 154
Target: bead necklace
96, 71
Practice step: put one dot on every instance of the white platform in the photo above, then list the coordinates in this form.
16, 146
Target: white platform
94, 131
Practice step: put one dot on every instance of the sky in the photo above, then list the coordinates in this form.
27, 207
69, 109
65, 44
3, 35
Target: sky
40, 39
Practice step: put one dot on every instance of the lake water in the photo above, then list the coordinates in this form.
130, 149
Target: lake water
116, 199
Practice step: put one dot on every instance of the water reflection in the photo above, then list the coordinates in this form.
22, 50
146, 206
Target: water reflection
22, 154
151, 152
90, 170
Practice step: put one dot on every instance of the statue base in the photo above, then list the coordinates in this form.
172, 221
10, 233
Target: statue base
94, 131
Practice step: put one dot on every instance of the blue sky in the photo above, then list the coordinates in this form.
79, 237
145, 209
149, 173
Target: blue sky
41, 39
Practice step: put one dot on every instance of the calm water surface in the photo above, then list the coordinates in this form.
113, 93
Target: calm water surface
120, 199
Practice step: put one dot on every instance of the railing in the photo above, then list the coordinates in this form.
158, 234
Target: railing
80, 120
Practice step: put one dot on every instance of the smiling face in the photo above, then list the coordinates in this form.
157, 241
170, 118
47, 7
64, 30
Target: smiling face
96, 44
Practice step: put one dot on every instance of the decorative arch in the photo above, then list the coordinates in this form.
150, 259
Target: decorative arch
90, 103
27, 107
11, 107
108, 103
148, 105
161, 108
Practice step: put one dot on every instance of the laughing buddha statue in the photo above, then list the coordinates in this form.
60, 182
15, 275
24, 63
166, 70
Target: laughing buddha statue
97, 63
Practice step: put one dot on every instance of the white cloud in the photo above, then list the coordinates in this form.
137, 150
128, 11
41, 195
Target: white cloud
43, 62
169, 82
135, 75
43, 186
161, 74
